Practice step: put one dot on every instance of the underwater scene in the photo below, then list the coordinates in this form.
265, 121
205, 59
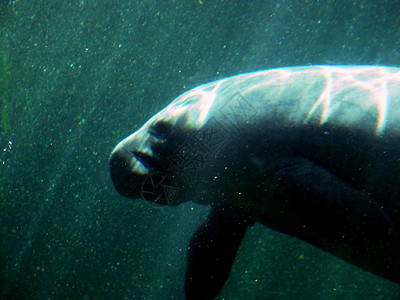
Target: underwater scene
78, 77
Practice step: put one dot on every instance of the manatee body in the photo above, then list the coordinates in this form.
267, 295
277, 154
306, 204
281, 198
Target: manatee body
313, 152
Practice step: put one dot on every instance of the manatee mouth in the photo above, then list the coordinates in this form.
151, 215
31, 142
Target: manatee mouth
139, 175
121, 173
149, 162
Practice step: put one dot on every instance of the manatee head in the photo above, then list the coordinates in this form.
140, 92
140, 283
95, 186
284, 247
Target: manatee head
140, 165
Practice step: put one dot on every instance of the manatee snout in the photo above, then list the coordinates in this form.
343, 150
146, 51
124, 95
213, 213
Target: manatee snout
138, 173
124, 179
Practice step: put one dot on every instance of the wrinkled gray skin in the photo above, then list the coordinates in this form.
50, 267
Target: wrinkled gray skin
313, 152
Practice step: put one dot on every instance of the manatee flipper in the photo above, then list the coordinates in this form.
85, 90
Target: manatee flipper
332, 206
212, 251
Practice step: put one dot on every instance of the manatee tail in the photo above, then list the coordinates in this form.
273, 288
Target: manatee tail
212, 251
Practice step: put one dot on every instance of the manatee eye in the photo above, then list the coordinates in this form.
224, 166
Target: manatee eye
160, 129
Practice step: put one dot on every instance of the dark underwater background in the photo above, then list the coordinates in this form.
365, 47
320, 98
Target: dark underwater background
78, 76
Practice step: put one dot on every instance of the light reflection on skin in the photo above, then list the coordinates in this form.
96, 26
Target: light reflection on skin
370, 79
353, 77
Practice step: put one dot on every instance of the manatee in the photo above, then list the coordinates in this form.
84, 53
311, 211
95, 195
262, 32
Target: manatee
312, 152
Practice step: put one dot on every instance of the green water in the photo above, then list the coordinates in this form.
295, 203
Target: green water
5, 80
